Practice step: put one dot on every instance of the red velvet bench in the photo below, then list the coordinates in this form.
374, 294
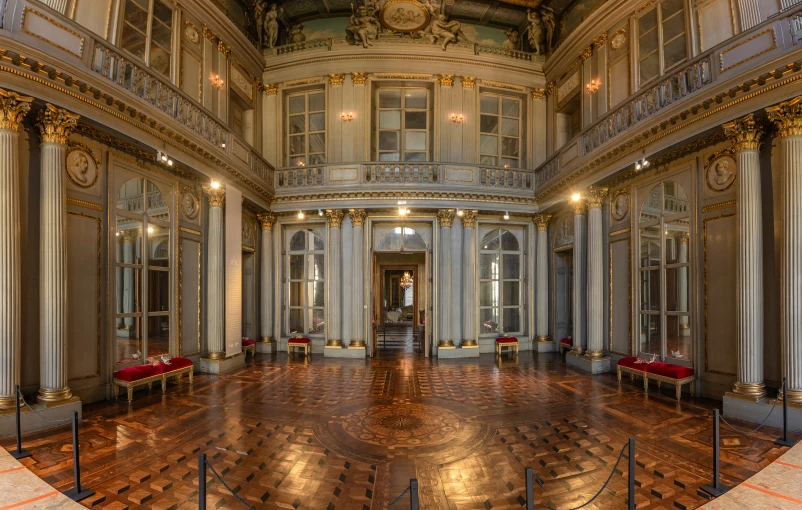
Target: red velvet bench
248, 345
506, 341
299, 343
131, 377
566, 344
658, 371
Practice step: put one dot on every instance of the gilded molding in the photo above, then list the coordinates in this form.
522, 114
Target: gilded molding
595, 197
601, 40
208, 34
267, 220
721, 205
13, 108
56, 124
746, 133
468, 82
335, 217
84, 204
217, 196
271, 89
537, 93
550, 88
542, 221
787, 116
586, 53
446, 80
445, 217
469, 218
223, 48
359, 78
336, 80
358, 217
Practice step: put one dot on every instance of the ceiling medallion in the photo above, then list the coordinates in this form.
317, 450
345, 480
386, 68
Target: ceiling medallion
404, 16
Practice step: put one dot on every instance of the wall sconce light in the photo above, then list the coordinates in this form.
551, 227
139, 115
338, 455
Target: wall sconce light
215, 185
300, 215
642, 163
456, 119
223, 145
506, 215
217, 82
576, 197
593, 86
347, 117
301, 163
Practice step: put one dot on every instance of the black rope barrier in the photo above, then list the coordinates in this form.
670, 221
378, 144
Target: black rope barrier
716, 488
747, 432
20, 452
413, 495
202, 464
784, 441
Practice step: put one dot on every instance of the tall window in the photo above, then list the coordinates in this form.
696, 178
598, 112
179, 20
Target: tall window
403, 124
500, 283
661, 39
147, 32
500, 131
142, 272
306, 282
306, 128
664, 267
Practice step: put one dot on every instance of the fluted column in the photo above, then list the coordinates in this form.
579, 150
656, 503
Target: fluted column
267, 220
215, 277
788, 118
445, 217
335, 219
746, 135
580, 270
542, 297
358, 217
595, 290
54, 126
469, 279
13, 108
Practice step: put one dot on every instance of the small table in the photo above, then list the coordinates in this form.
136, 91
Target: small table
506, 341
300, 343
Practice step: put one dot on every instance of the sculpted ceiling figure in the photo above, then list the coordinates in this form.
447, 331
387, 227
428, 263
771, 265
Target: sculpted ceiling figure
364, 27
445, 32
541, 29
270, 30
513, 41
296, 34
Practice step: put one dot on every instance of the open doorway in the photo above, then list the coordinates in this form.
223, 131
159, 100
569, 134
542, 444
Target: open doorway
400, 294
564, 293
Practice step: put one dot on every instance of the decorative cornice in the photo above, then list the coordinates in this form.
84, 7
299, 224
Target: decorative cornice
13, 108
267, 220
208, 34
595, 197
601, 40
271, 89
550, 88
446, 80
223, 48
537, 93
56, 124
787, 116
445, 217
335, 217
469, 218
746, 133
216, 195
359, 78
542, 221
468, 82
358, 217
586, 53
336, 80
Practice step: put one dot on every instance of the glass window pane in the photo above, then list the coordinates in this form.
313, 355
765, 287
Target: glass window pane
415, 99
318, 325
510, 107
650, 289
317, 267
676, 200
488, 104
674, 52
317, 142
158, 246
648, 21
650, 210
133, 41
512, 293
297, 124
389, 99
488, 124
317, 241
509, 127
136, 13
491, 242
488, 144
672, 27
512, 320
296, 321
509, 147
130, 197
650, 335
489, 160
390, 156
415, 120
298, 241
129, 284
129, 241
158, 335
298, 145
158, 291
416, 141
650, 246
489, 320
296, 293
297, 104
677, 289
508, 241
317, 122
389, 140
317, 102
390, 119
415, 156
317, 159
129, 339
488, 266
512, 266
318, 294
649, 68
678, 337
488, 293
510, 162
677, 239
161, 34
296, 267
670, 7
163, 13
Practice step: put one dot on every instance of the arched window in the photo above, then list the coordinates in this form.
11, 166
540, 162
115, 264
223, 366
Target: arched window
500, 283
664, 272
142, 272
401, 239
306, 291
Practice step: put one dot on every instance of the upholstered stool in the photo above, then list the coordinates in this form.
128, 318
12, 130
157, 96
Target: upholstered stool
658, 371
299, 343
566, 344
248, 345
506, 341
131, 377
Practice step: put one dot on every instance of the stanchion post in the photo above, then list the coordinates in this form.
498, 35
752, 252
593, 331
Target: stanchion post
77, 493
413, 494
202, 481
784, 441
631, 475
716, 488
19, 453
530, 489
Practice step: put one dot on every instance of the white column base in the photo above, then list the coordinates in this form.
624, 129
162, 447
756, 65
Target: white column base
221, 366
591, 365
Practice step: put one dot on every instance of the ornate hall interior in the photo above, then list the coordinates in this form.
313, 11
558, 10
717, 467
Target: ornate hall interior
438, 254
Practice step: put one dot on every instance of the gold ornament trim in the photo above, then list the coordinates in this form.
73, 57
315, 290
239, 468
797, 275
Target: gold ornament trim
358, 217
84, 203
787, 116
336, 80
267, 220
542, 221
537, 93
359, 78
468, 82
13, 108
721, 205
217, 196
56, 124
445, 217
469, 218
335, 217
595, 197
746, 133
446, 80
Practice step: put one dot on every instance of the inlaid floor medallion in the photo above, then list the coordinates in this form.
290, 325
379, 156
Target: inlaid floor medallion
402, 425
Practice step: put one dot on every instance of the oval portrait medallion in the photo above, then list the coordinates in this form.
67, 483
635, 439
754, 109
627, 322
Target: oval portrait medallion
720, 174
620, 205
404, 16
190, 204
82, 168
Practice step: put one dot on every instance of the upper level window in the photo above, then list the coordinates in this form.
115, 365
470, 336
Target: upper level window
500, 131
404, 124
306, 128
501, 283
661, 39
148, 32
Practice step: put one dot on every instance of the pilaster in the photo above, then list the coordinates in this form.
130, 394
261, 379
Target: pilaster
358, 217
215, 338
595, 275
335, 219
469, 280
541, 221
580, 271
445, 218
267, 221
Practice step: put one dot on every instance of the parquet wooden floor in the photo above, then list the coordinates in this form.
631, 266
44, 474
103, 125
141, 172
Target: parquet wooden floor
349, 434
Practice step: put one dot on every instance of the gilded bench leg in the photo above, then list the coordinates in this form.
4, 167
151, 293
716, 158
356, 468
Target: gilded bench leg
190, 377
645, 382
130, 393
150, 385
619, 374
164, 384
679, 390
659, 384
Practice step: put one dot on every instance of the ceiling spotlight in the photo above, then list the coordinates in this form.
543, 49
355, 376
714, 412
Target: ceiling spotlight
169, 162
215, 185
320, 212
460, 213
223, 145
403, 210
162, 156
506, 215
642, 163
575, 197
150, 230
300, 215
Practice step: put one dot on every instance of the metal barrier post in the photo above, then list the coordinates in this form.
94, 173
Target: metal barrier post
530, 489
202, 481
716, 489
413, 495
19, 453
77, 493
784, 441
631, 475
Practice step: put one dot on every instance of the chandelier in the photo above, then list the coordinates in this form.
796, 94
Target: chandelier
406, 280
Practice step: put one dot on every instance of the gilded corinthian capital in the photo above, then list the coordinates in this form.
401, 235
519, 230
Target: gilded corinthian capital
216, 195
56, 124
13, 108
541, 221
335, 217
787, 116
595, 197
358, 217
446, 217
746, 133
267, 220
469, 218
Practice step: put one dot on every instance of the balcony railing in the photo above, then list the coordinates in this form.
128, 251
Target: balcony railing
412, 174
